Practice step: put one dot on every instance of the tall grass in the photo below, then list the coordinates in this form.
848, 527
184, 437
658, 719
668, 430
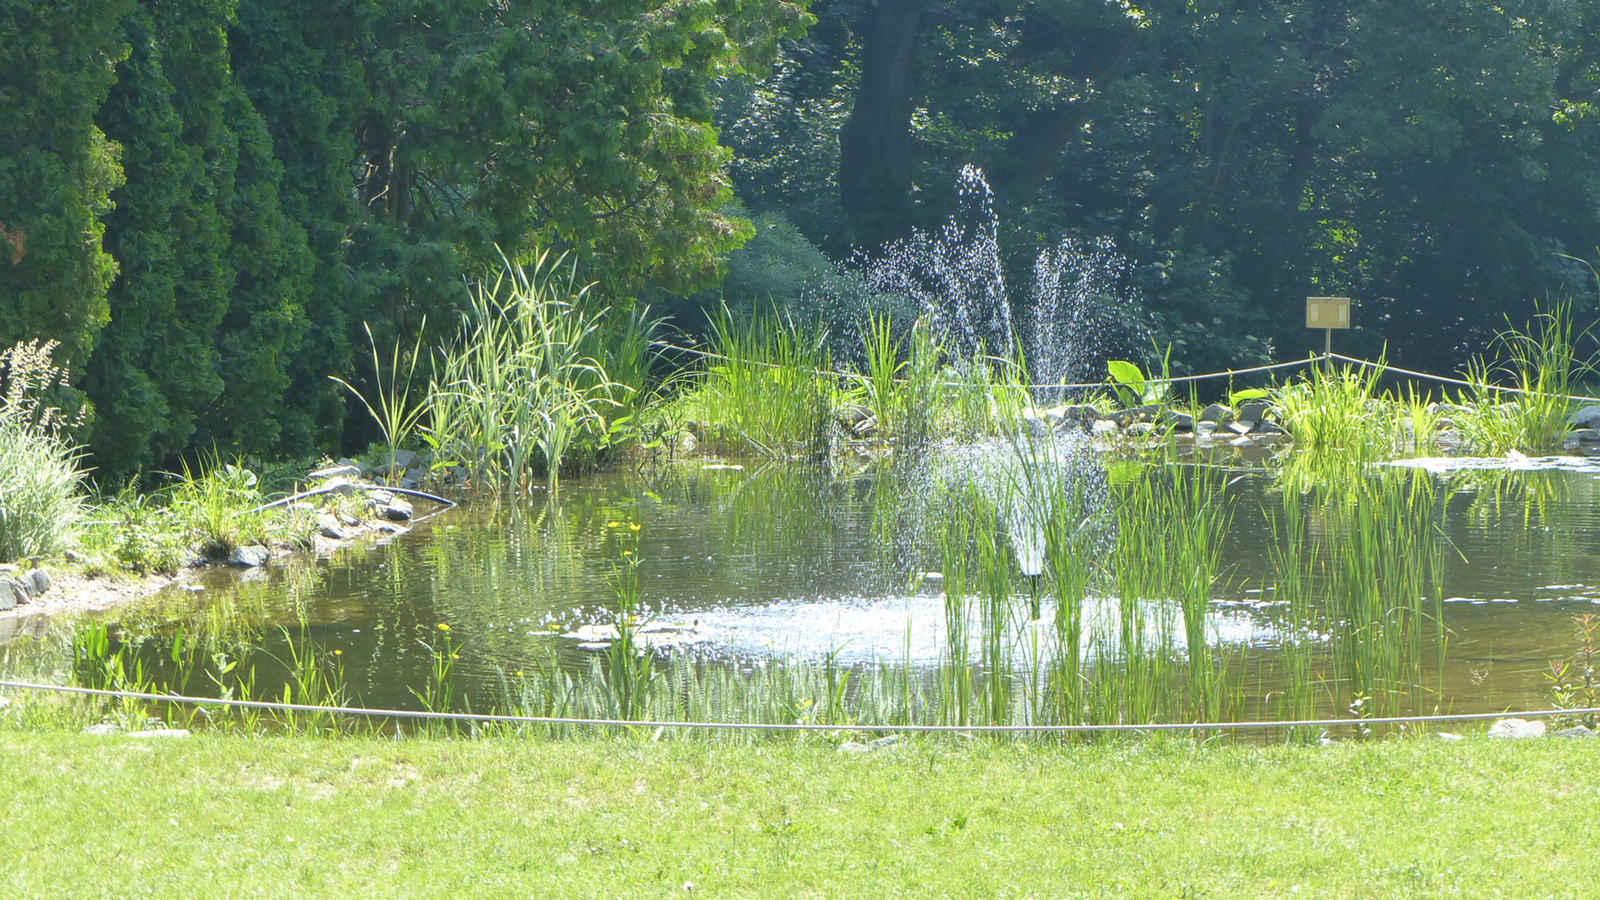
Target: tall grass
522, 391
1338, 408
40, 480
768, 382
1542, 364
391, 405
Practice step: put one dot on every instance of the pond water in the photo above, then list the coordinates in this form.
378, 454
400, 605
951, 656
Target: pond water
748, 563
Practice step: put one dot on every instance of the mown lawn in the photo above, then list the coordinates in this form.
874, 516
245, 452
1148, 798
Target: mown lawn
229, 816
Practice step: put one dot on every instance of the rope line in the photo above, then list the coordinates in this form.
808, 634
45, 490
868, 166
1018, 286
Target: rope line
794, 726
1176, 379
1227, 373
1415, 374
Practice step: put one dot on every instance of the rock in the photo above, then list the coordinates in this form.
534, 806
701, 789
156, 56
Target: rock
1178, 421
885, 741
1146, 413
1082, 412
1216, 413
1588, 417
75, 557
1253, 411
328, 527
331, 472
1241, 426
380, 497
854, 747
103, 728
400, 462
11, 594
37, 582
1242, 441
250, 557
347, 519
1449, 736
1576, 731
412, 480
686, 444
398, 509
854, 414
1139, 429
1576, 439
1204, 428
1265, 427
866, 427
1105, 427
160, 733
1516, 728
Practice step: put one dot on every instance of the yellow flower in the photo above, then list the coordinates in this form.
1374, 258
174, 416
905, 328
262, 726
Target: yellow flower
627, 553
613, 524
635, 526
443, 627
519, 673
338, 653
455, 656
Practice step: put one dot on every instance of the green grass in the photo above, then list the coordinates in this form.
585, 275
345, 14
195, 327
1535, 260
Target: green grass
225, 816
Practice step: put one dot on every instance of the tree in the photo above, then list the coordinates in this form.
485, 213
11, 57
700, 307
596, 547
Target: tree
56, 170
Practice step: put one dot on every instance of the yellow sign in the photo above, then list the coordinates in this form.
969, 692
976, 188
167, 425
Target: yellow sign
1327, 312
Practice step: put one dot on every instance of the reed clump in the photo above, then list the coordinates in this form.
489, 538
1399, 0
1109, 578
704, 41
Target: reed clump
537, 381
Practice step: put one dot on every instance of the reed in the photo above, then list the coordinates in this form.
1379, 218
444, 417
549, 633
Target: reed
1338, 409
521, 393
769, 382
391, 405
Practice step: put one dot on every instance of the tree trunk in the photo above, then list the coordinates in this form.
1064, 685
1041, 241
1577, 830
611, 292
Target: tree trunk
875, 143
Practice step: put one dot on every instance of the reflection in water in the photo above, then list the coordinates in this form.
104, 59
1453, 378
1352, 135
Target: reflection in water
824, 563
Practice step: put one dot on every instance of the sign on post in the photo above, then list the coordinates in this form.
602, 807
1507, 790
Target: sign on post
1327, 313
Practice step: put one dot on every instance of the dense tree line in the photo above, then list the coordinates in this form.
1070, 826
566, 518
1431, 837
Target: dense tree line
205, 199
1436, 160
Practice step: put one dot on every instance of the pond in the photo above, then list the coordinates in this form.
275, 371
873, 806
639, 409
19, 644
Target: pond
746, 567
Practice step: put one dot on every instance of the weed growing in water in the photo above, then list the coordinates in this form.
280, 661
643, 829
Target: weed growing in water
1573, 684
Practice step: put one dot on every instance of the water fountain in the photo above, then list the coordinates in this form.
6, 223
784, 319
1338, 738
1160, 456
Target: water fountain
1078, 304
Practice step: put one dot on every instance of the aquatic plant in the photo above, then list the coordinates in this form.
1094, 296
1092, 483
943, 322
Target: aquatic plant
521, 392
1543, 368
1337, 408
391, 405
768, 381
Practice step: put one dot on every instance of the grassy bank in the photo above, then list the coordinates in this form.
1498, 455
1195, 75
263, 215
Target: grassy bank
96, 816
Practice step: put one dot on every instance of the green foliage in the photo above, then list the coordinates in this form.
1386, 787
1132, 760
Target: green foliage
208, 307
768, 381
1543, 368
522, 391
57, 170
41, 498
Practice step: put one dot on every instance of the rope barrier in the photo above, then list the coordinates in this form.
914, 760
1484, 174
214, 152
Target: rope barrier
794, 726
1441, 378
1178, 379
1228, 373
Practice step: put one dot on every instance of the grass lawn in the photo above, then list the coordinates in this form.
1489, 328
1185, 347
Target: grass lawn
230, 816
